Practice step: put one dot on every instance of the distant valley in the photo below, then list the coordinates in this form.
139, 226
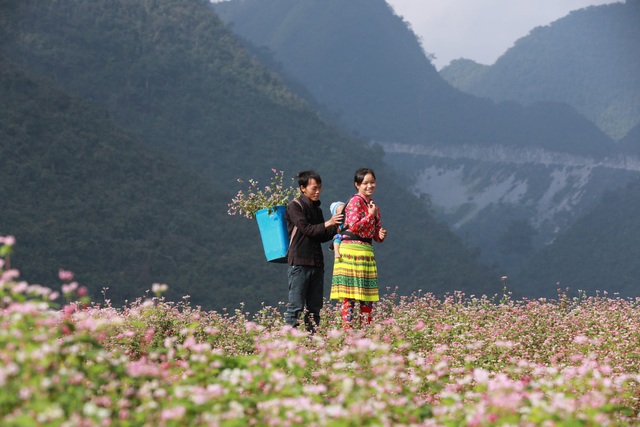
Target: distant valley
482, 191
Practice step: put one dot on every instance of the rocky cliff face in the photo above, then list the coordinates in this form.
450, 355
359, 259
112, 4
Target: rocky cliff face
482, 192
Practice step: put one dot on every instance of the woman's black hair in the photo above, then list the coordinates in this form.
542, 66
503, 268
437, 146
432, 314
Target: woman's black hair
305, 176
361, 173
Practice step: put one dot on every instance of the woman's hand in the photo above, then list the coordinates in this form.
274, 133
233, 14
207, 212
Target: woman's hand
371, 207
382, 234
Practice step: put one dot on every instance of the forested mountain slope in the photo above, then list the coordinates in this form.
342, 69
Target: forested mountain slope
362, 61
175, 86
599, 252
588, 59
81, 194
631, 142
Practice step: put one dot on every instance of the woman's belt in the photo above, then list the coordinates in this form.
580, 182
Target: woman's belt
348, 235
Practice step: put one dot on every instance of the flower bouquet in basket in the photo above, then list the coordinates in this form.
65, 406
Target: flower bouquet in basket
267, 205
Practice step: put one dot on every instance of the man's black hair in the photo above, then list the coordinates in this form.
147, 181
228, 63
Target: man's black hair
305, 176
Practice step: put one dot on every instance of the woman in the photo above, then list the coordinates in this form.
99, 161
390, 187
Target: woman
355, 274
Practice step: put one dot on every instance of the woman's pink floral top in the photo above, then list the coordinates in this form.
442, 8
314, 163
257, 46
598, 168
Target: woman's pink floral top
359, 221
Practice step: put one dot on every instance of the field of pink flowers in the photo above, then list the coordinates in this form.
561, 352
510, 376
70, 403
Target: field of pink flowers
474, 361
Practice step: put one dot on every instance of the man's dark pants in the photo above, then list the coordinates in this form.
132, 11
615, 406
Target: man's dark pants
306, 289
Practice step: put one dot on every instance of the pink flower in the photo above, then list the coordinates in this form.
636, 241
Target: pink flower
21, 287
8, 240
65, 275
148, 335
67, 289
10, 275
173, 413
68, 310
580, 339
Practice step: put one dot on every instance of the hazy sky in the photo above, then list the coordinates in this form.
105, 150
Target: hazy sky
481, 30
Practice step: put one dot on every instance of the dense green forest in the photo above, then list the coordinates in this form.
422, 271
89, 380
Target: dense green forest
588, 59
81, 194
464, 73
125, 126
363, 62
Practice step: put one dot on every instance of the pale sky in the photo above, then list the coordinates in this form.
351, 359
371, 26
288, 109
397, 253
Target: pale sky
481, 30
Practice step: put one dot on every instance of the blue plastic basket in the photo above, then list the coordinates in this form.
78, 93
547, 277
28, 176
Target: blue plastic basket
274, 234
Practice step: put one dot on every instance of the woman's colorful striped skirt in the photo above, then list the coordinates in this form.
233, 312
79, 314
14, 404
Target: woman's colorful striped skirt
355, 274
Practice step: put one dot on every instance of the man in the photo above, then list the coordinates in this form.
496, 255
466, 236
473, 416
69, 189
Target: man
308, 230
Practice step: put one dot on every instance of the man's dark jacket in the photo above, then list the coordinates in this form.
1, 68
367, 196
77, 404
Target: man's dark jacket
306, 248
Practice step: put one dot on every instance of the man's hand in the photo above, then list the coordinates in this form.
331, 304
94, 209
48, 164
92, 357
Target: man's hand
335, 220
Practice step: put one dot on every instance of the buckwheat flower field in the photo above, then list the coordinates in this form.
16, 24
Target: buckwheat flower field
425, 361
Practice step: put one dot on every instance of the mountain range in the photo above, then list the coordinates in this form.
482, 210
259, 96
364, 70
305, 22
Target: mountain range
363, 62
596, 48
124, 127
134, 121
510, 175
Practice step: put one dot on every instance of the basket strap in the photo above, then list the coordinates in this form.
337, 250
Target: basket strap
295, 227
